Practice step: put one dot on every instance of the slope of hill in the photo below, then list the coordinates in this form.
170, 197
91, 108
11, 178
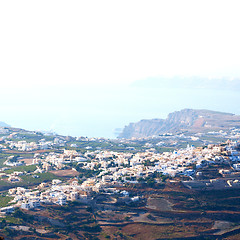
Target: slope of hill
185, 120
3, 124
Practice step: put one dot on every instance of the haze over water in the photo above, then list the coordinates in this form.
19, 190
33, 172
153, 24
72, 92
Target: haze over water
98, 111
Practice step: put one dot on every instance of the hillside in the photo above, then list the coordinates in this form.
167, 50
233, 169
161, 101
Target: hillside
185, 120
3, 124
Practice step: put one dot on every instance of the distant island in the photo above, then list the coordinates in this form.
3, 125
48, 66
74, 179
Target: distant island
186, 120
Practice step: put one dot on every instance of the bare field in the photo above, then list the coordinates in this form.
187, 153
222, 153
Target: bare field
159, 204
65, 173
143, 231
27, 161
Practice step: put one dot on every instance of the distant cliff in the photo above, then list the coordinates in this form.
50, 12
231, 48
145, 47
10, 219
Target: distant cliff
185, 120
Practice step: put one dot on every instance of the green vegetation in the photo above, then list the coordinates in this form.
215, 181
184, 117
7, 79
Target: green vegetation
13, 219
164, 149
87, 173
23, 216
30, 168
29, 180
4, 200
43, 177
3, 158
4, 184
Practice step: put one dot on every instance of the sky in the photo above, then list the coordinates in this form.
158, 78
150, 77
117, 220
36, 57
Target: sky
69, 66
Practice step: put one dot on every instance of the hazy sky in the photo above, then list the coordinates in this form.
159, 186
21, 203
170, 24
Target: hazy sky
68, 65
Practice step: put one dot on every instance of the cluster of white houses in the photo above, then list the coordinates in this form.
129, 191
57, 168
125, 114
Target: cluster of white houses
124, 165
59, 193
29, 146
56, 192
116, 168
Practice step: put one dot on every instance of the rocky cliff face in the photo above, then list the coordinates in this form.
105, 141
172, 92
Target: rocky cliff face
142, 128
185, 120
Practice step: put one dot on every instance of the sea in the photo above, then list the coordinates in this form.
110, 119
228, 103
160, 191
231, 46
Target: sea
102, 111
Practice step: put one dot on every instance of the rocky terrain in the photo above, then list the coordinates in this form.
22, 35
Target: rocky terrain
189, 120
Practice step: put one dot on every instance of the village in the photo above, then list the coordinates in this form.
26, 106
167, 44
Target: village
99, 181
113, 169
